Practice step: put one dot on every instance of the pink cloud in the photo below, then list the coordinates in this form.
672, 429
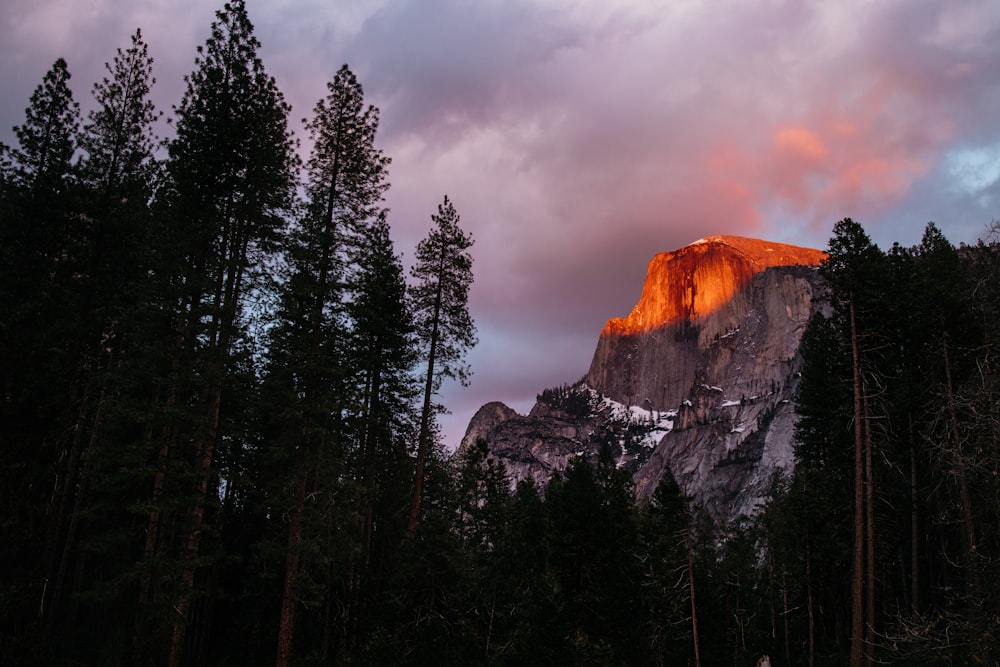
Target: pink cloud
578, 139
801, 144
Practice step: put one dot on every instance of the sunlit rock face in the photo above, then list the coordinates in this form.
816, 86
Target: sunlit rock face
700, 377
700, 280
692, 297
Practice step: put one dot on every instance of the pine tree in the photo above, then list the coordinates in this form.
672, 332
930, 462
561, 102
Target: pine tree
38, 235
423, 614
852, 271
666, 525
903, 398
382, 355
47, 139
346, 172
484, 518
341, 241
590, 551
896, 366
39, 264
820, 495
948, 340
116, 182
229, 185
440, 305
521, 563
118, 138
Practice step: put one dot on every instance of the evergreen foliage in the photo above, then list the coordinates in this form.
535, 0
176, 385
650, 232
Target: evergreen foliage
218, 444
575, 400
43, 252
228, 188
439, 301
918, 559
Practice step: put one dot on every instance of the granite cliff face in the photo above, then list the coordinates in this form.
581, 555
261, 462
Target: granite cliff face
691, 298
700, 377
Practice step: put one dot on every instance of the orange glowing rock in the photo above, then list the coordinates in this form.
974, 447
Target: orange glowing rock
695, 281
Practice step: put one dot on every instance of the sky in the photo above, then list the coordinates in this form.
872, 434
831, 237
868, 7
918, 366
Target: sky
577, 138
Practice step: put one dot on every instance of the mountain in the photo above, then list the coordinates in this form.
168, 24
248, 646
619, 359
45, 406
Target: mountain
700, 377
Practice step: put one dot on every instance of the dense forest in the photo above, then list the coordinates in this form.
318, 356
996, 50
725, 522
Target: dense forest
218, 442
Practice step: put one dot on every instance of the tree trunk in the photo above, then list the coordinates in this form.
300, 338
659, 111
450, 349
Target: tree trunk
869, 536
162, 459
226, 300
784, 616
694, 606
423, 440
809, 608
59, 538
361, 563
286, 626
74, 518
857, 574
968, 526
206, 450
770, 597
914, 527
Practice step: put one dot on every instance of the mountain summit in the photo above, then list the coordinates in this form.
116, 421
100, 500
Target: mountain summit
699, 279
691, 298
700, 377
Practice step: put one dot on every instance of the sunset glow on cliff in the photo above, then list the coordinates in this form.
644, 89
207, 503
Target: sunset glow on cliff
690, 283
579, 139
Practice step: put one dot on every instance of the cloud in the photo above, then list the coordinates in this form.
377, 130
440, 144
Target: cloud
579, 138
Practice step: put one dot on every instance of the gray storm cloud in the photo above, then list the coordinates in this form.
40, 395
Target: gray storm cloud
577, 139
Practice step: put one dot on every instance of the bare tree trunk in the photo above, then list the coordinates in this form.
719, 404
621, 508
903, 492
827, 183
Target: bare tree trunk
153, 524
857, 574
914, 527
286, 625
206, 449
62, 506
74, 518
965, 500
141, 642
869, 537
159, 477
225, 304
360, 568
694, 606
784, 616
770, 598
489, 629
423, 440
809, 608
423, 445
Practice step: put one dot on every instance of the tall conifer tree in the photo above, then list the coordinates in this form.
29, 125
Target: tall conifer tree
381, 354
116, 182
345, 186
38, 233
229, 186
852, 269
39, 263
47, 139
440, 304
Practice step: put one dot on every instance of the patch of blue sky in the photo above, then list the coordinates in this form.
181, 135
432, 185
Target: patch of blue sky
974, 170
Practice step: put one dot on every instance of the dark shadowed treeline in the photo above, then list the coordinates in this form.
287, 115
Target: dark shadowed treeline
888, 531
218, 442
210, 369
